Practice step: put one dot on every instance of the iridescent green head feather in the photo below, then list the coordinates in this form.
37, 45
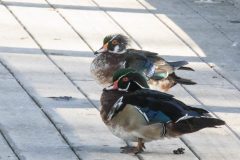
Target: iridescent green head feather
129, 80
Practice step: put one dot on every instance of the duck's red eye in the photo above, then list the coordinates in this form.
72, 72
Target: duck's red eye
125, 79
115, 42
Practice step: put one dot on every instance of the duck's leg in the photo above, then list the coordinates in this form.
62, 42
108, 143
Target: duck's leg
132, 149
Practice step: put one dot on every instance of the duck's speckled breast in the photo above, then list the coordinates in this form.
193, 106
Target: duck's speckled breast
104, 65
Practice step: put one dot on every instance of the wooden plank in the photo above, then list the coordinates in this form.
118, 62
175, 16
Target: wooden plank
6, 152
207, 29
77, 120
88, 20
145, 28
222, 15
28, 131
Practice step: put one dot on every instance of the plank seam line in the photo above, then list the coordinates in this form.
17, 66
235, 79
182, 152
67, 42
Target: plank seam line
32, 97
71, 26
199, 101
46, 54
9, 143
68, 77
190, 148
118, 24
190, 47
41, 108
212, 24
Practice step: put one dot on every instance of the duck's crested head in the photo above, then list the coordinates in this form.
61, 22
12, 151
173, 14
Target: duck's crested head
128, 80
115, 43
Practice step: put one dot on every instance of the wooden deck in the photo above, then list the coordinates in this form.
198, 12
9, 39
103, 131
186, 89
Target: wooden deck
49, 101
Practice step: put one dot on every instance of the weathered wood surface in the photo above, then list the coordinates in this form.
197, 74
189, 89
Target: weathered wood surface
49, 48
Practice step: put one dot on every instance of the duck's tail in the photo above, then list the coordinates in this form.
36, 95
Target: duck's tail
167, 83
193, 124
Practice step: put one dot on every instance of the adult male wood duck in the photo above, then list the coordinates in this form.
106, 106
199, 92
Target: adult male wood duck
115, 55
135, 113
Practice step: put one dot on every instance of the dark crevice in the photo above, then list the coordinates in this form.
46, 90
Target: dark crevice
10, 145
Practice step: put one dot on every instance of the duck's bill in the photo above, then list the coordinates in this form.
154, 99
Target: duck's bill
102, 50
113, 86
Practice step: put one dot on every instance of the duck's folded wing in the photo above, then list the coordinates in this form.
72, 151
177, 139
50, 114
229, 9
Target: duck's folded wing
156, 101
163, 102
148, 62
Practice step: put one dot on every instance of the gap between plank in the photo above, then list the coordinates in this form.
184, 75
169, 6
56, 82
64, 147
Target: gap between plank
11, 146
41, 108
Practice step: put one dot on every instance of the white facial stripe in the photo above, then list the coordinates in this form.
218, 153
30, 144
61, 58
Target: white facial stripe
126, 89
139, 84
123, 51
115, 107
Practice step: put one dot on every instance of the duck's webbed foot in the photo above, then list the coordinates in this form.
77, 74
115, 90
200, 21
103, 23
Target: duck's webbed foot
179, 151
132, 149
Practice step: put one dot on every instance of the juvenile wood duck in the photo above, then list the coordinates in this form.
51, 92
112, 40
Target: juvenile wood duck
135, 113
115, 55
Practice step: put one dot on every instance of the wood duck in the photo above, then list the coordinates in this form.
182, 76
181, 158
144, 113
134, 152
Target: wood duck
115, 55
135, 113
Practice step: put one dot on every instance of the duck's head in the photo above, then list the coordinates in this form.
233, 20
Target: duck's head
116, 43
128, 80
